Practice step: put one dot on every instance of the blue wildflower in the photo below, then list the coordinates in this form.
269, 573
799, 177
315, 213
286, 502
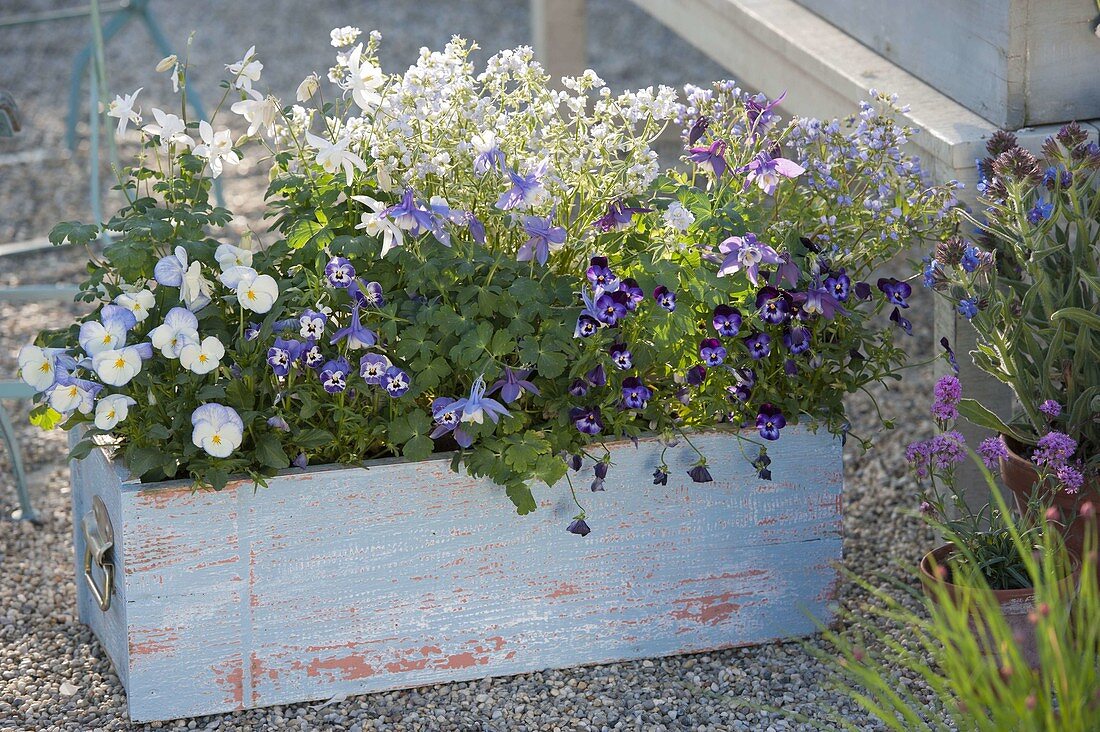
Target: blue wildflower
544, 238
968, 308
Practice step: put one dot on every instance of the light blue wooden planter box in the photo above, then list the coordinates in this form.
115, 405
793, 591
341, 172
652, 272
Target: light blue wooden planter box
348, 580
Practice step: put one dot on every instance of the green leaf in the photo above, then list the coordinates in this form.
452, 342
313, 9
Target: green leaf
158, 432
45, 417
269, 451
551, 364
978, 415
140, 460
306, 231
521, 496
418, 448
313, 438
1078, 315
81, 450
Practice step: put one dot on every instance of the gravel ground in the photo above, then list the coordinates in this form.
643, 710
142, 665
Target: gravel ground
53, 673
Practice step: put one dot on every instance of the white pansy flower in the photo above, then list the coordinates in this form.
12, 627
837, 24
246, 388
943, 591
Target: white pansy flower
217, 429
108, 332
333, 155
228, 256
216, 148
70, 394
373, 223
169, 128
307, 88
247, 70
122, 108
678, 217
118, 366
180, 327
195, 290
112, 409
257, 292
260, 113
364, 79
202, 358
340, 37
40, 367
139, 302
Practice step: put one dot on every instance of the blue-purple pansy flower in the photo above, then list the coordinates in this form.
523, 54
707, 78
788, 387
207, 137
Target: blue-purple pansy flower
544, 238
636, 395
897, 292
839, 285
769, 420
356, 334
312, 324
334, 375
773, 304
449, 420
586, 326
282, 355
513, 385
633, 291
766, 171
396, 382
746, 254
796, 340
368, 295
601, 276
611, 307
621, 356
711, 158
742, 390
312, 356
696, 375
410, 215
372, 367
477, 406
712, 352
759, 345
665, 297
727, 321
618, 216
339, 272
586, 419
597, 376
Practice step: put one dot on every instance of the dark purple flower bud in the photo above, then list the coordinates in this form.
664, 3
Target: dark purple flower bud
790, 367
278, 423
665, 297
597, 376
574, 461
621, 356
235, 371
578, 388
476, 228
712, 352
600, 471
762, 463
896, 292
301, 461
727, 321
683, 396
700, 474
774, 305
786, 271
586, 326
769, 420
660, 475
796, 340
862, 290
586, 419
634, 293
635, 394
579, 527
949, 353
903, 323
618, 217
698, 128
759, 345
696, 374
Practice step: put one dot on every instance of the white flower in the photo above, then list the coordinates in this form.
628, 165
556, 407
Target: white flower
216, 147
195, 290
374, 224
166, 63
169, 128
139, 303
333, 155
117, 366
260, 113
247, 70
340, 37
38, 367
202, 358
112, 409
308, 88
122, 108
217, 429
228, 256
180, 327
364, 78
70, 394
108, 332
257, 292
678, 217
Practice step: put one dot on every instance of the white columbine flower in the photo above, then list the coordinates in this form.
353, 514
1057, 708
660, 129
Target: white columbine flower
217, 429
678, 217
333, 155
308, 88
195, 290
139, 302
40, 367
364, 80
260, 112
169, 128
257, 292
122, 108
228, 256
202, 358
180, 327
112, 409
216, 147
374, 224
118, 366
247, 70
340, 37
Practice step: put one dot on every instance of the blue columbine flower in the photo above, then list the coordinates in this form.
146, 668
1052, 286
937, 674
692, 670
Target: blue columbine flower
578, 527
395, 381
968, 308
312, 355
786, 271
586, 419
712, 352
711, 158
796, 340
635, 394
372, 367
818, 301
410, 215
621, 356
774, 305
1040, 211
665, 297
618, 216
334, 375
896, 292
634, 293
282, 355
525, 191
339, 272
746, 253
759, 345
545, 238
897, 319
838, 285
769, 420
513, 385
611, 307
448, 420
357, 334
970, 259
727, 321
600, 275
368, 295
700, 474
477, 406
312, 324
698, 128
758, 110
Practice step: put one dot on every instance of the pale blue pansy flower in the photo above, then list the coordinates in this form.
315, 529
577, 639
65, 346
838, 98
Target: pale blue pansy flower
180, 328
40, 367
118, 366
70, 394
217, 429
107, 333
112, 409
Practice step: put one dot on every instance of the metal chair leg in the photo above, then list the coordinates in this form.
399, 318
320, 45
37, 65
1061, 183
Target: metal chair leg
25, 512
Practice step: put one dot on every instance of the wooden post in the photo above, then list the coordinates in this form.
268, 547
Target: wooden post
560, 32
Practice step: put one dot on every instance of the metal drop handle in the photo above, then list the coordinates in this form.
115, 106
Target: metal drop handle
99, 538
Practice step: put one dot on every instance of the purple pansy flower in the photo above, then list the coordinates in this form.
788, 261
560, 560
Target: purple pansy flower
334, 375
790, 367
727, 321
767, 171
774, 305
448, 420
618, 216
611, 307
634, 293
635, 394
281, 355
368, 295
621, 356
372, 367
586, 419
759, 345
601, 276
357, 334
544, 238
312, 324
896, 292
769, 420
525, 190
700, 474
838, 285
410, 215
712, 352
696, 375
513, 385
746, 253
339, 272
665, 297
711, 158
796, 340
312, 356
586, 326
395, 381
475, 227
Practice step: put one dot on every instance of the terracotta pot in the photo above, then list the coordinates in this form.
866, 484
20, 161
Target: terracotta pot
1014, 604
1020, 478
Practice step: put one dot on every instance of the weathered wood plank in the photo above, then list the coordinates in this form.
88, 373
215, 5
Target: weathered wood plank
349, 580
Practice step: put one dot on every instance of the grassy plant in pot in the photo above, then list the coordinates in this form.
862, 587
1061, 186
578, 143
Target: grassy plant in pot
982, 549
1030, 287
474, 288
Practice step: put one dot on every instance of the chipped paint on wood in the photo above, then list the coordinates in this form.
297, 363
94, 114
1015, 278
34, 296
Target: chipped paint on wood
343, 581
